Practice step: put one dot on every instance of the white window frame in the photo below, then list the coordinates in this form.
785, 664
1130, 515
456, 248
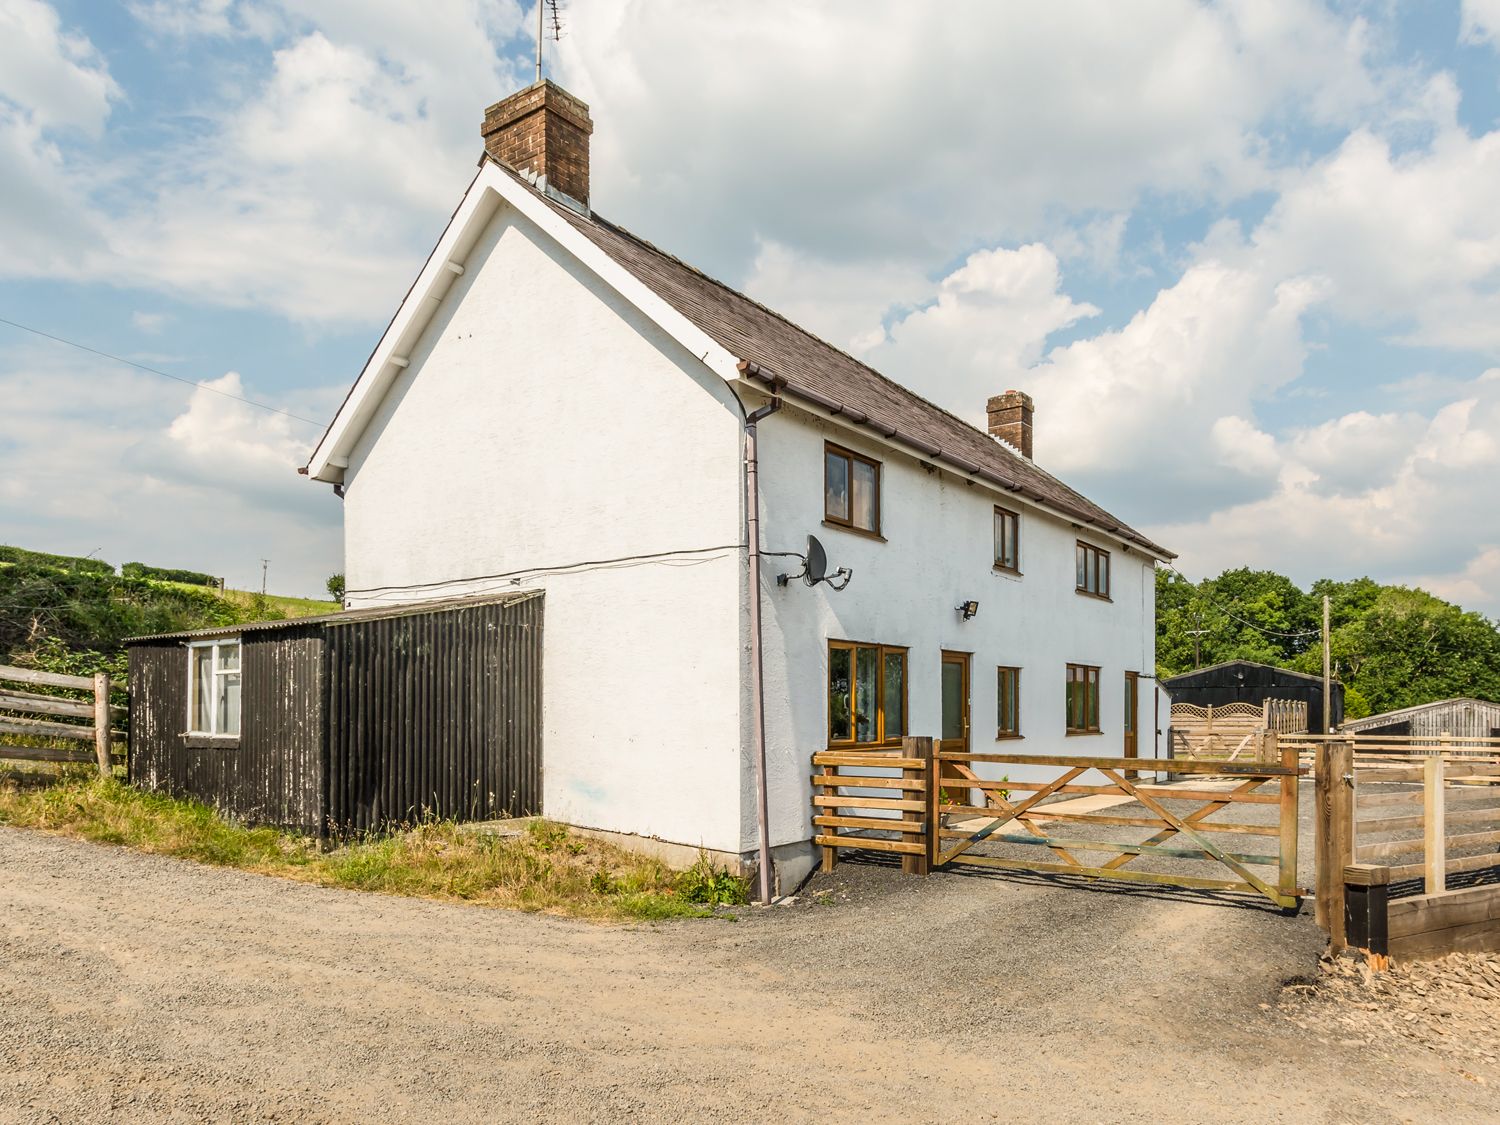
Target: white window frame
216, 672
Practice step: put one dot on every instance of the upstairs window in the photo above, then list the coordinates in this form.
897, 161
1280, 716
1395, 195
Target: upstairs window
214, 688
866, 694
1009, 709
1083, 699
1093, 570
1007, 540
851, 490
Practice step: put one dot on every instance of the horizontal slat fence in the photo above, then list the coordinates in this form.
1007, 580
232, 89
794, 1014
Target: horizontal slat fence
856, 794
43, 719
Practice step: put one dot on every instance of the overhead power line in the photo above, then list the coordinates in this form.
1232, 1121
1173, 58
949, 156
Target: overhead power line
1234, 617
156, 371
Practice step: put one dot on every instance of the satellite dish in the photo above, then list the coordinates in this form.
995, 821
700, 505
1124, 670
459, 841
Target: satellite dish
817, 562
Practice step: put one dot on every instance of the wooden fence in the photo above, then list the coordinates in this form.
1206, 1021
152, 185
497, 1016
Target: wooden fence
43, 720
918, 802
1233, 731
1397, 812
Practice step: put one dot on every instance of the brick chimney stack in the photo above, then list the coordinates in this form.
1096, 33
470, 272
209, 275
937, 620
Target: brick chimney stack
1010, 420
543, 130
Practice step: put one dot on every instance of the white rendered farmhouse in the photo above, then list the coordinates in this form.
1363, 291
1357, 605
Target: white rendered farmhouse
558, 405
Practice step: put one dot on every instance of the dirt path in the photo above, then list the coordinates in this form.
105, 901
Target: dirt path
143, 989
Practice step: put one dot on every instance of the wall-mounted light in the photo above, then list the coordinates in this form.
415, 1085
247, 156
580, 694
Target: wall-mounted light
968, 609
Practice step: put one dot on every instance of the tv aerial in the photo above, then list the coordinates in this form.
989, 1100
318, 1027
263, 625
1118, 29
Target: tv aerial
548, 26
815, 568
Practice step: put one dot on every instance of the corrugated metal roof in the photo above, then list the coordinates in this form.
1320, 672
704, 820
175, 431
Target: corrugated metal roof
765, 338
1387, 717
1183, 677
346, 617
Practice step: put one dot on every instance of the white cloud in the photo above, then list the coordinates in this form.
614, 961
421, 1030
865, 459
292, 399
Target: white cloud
1413, 517
986, 324
56, 77
1480, 22
149, 322
879, 125
93, 456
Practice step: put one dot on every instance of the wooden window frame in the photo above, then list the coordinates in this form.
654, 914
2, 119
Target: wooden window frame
218, 675
882, 739
1091, 679
1014, 518
1097, 564
1002, 673
852, 458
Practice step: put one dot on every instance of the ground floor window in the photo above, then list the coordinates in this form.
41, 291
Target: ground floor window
1009, 708
866, 694
1083, 699
214, 687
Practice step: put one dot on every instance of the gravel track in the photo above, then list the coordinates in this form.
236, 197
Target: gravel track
137, 988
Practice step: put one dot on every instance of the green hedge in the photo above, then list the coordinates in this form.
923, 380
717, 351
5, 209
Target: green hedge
167, 574
65, 562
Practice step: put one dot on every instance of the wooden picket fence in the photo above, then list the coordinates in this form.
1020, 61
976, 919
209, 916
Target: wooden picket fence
1233, 731
77, 715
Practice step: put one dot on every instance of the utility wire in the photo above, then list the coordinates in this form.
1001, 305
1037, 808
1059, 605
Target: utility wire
1197, 587
155, 371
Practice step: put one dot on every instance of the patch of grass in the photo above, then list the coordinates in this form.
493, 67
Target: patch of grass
546, 868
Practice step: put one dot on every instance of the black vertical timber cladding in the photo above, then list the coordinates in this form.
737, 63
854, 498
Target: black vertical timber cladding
270, 774
358, 723
435, 714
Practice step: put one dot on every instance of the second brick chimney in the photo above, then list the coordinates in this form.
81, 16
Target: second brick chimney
543, 130
1010, 420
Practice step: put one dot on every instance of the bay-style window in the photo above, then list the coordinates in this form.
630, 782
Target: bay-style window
1083, 699
1093, 570
214, 688
1007, 540
1009, 703
866, 694
851, 490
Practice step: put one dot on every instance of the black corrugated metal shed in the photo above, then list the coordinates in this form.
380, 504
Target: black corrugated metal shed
1244, 681
356, 720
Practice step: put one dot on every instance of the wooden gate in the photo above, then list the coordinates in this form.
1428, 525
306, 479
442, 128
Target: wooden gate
965, 820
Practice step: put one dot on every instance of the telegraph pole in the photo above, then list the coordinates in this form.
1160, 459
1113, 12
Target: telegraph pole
264, 564
1327, 671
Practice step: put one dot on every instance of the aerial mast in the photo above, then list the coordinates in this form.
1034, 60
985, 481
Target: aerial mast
544, 9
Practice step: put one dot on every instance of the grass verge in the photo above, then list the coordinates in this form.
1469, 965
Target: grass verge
546, 868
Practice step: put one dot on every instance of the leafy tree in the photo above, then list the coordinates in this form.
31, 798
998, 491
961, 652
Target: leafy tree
1391, 646
336, 587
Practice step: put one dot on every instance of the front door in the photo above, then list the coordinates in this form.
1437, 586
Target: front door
1131, 722
955, 726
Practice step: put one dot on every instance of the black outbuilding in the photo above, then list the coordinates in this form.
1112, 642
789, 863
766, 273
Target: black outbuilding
1244, 681
353, 721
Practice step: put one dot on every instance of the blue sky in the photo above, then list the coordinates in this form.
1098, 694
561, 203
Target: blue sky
1246, 257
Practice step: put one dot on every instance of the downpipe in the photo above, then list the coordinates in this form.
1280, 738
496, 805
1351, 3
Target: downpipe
757, 657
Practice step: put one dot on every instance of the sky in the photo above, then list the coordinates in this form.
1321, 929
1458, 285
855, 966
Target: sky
1244, 256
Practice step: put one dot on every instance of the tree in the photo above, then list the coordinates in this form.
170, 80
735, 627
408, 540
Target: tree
336, 587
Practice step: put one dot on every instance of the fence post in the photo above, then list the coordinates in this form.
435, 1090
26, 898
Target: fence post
101, 722
934, 797
1434, 816
912, 747
1289, 784
1335, 834
1366, 911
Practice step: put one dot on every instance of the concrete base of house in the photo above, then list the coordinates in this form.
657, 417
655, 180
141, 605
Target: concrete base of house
793, 863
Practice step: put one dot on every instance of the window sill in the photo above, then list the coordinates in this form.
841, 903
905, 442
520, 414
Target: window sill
211, 741
1003, 737
1091, 594
1084, 733
875, 535
1008, 571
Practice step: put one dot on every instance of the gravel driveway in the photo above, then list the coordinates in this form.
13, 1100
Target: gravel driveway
136, 988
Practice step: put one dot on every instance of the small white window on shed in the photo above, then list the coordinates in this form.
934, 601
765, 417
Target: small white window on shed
214, 687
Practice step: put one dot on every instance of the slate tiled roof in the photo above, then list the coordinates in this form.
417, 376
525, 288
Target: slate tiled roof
812, 369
